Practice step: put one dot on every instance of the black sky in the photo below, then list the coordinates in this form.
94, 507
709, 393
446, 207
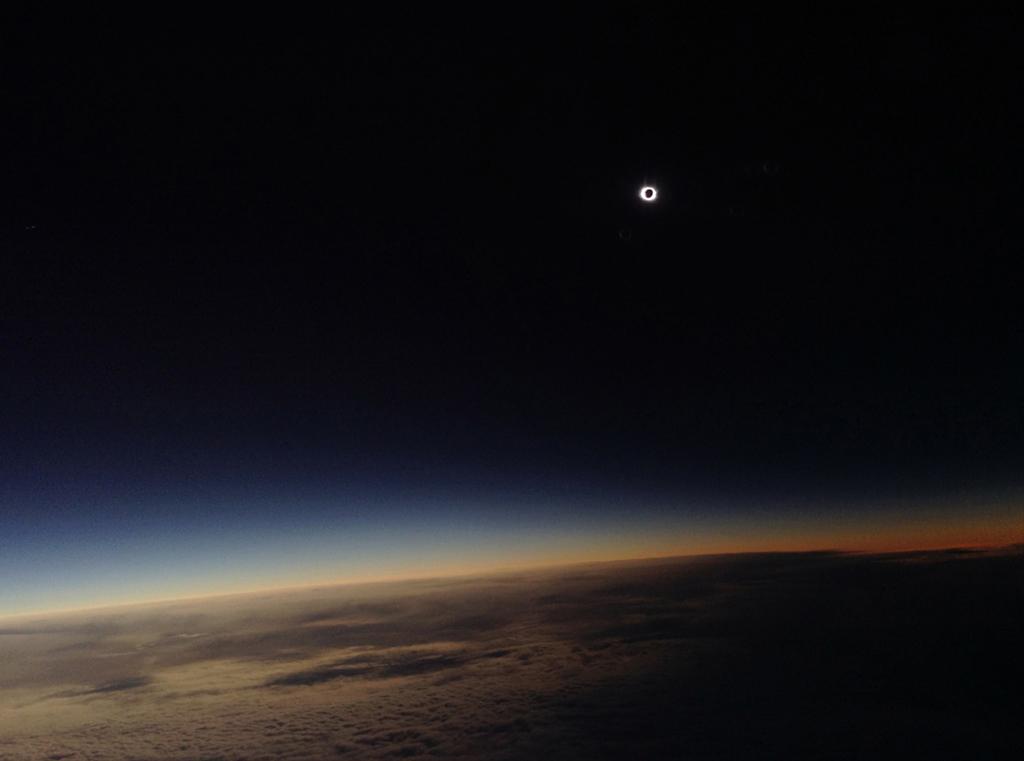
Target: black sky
413, 249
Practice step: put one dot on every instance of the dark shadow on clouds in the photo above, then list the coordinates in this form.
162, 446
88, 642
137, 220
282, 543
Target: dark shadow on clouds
817, 655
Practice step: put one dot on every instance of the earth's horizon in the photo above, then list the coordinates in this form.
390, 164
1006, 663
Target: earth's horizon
740, 656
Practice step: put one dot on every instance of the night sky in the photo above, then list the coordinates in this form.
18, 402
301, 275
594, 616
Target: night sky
291, 300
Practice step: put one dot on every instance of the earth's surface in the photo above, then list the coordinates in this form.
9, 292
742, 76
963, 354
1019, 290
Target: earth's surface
753, 656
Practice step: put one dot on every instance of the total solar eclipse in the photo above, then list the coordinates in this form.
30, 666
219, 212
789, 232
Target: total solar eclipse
379, 417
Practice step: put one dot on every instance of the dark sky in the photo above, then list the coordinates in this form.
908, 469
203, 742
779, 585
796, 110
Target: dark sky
271, 256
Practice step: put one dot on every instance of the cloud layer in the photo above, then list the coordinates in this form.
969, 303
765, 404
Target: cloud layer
805, 655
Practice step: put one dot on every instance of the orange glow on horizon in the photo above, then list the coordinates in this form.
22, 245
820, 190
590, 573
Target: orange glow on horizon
998, 526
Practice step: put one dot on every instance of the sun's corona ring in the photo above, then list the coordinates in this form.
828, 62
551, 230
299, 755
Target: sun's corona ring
648, 193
